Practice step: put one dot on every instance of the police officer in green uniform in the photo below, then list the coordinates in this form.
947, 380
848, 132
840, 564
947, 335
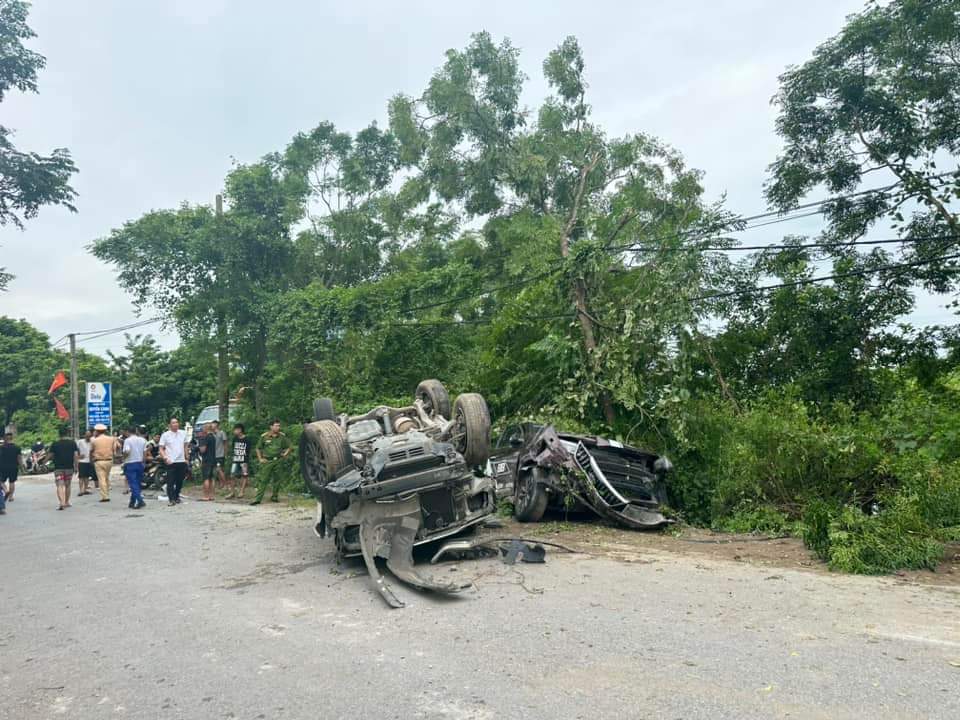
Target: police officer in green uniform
273, 446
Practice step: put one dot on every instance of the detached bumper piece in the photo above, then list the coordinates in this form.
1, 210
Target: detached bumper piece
388, 530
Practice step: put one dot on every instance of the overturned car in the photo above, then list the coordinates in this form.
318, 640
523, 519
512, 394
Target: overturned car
396, 477
538, 468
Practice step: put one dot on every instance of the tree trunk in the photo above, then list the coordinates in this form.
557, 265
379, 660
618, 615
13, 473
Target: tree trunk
223, 372
580, 294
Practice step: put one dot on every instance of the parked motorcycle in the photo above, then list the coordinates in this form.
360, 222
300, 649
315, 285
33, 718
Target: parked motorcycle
155, 475
36, 462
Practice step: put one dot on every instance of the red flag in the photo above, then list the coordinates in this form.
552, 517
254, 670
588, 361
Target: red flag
59, 380
61, 410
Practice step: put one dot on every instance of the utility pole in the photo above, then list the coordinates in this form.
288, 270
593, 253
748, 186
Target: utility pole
74, 389
223, 367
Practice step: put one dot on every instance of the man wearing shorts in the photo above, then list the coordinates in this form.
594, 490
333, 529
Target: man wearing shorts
84, 465
173, 452
240, 465
10, 462
65, 454
221, 451
208, 465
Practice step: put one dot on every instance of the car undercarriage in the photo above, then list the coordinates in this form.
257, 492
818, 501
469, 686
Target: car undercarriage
396, 477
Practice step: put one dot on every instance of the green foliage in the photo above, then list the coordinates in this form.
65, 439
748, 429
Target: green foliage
28, 181
884, 94
776, 451
851, 541
561, 272
26, 358
761, 519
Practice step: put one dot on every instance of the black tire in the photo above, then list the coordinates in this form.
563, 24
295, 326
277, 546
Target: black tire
323, 409
471, 428
435, 398
324, 453
529, 496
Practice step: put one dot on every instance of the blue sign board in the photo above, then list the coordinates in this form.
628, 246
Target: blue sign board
99, 404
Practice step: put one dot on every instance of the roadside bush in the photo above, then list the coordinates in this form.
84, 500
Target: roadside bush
776, 453
764, 466
852, 541
763, 519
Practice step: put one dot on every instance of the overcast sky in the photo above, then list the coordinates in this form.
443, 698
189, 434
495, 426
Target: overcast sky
155, 97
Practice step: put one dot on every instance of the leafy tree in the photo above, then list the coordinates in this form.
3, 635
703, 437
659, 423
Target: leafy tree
562, 199
28, 180
883, 96
153, 385
26, 359
213, 275
827, 341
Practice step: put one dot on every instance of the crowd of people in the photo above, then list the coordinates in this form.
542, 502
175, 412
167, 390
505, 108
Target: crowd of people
164, 459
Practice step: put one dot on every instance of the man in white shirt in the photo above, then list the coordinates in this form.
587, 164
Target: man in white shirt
84, 464
133, 449
173, 452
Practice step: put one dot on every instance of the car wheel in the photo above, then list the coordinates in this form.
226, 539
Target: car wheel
471, 428
323, 409
529, 495
324, 452
435, 398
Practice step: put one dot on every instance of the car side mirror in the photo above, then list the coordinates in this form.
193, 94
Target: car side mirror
516, 441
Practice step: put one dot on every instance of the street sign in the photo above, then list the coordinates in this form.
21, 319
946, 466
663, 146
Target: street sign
99, 404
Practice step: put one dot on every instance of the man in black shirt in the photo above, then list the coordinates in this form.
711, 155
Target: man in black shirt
9, 466
66, 454
208, 450
240, 467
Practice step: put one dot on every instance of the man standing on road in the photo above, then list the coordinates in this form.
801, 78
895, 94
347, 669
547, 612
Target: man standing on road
173, 451
102, 448
207, 445
221, 450
84, 465
134, 447
10, 462
273, 446
240, 467
65, 455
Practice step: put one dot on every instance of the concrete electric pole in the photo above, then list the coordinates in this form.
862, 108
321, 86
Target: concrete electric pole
74, 389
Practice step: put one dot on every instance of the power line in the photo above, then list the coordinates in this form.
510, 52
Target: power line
139, 323
792, 214
474, 321
503, 286
824, 278
799, 246
836, 198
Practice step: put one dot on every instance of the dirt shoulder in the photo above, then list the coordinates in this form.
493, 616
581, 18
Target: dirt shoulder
629, 546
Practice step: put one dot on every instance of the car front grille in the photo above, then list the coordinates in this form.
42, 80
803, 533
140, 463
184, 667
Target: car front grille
405, 453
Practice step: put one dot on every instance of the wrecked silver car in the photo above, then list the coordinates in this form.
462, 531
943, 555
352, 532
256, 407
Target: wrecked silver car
538, 468
396, 477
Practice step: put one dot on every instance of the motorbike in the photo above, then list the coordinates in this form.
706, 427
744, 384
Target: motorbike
37, 463
155, 475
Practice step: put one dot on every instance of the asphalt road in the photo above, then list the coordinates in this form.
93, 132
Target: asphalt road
228, 611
